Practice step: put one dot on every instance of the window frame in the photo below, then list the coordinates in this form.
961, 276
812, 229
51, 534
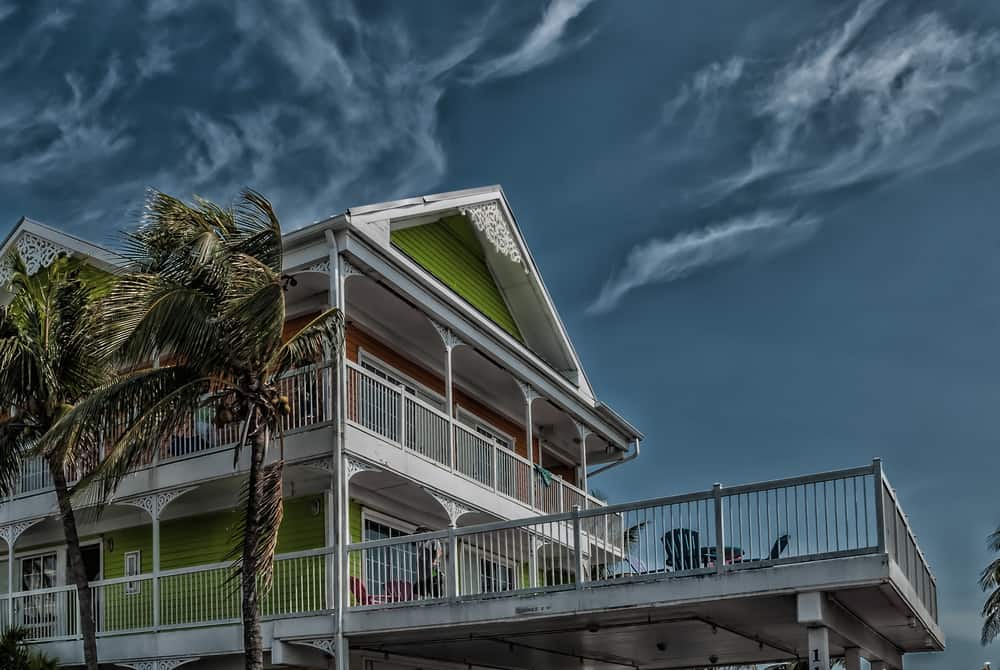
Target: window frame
478, 425
421, 392
132, 588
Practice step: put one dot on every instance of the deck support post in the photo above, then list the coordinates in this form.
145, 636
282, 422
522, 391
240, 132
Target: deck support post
578, 547
581, 480
529, 398
10, 578
720, 529
450, 341
819, 648
852, 658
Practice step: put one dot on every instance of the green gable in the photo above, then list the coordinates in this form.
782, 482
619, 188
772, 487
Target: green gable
450, 250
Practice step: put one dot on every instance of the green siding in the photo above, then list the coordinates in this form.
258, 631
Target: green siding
450, 250
200, 540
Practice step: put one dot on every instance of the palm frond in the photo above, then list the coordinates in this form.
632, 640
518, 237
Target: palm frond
321, 337
265, 524
15, 443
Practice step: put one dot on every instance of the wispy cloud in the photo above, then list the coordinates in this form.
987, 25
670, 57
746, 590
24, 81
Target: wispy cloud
158, 58
546, 42
63, 135
660, 261
7, 9
877, 95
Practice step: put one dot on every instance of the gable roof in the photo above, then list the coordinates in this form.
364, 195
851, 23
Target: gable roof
39, 245
449, 249
489, 220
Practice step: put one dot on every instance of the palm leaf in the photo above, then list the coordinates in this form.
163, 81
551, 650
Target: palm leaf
264, 525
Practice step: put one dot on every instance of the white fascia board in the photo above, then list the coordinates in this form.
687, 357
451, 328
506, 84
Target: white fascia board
442, 306
104, 258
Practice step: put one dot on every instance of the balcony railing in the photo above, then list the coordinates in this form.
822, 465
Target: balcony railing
819, 517
402, 419
307, 390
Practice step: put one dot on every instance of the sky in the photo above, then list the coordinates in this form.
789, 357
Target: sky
770, 227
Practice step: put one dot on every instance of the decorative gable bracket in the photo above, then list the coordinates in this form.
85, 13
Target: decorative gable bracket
490, 220
36, 252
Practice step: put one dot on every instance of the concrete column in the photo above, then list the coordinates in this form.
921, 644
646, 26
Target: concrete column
852, 658
819, 648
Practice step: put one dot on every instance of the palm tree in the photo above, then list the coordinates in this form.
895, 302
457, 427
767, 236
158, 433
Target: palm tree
49, 362
204, 288
990, 579
15, 655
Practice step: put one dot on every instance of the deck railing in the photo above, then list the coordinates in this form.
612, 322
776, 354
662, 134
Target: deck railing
306, 388
402, 419
818, 517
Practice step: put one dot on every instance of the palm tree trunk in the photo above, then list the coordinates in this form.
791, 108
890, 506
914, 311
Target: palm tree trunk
77, 570
253, 648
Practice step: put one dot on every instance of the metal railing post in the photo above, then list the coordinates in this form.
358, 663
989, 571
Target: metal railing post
878, 476
720, 529
451, 564
578, 546
402, 417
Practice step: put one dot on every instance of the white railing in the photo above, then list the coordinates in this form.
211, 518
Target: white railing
189, 597
818, 517
388, 411
306, 388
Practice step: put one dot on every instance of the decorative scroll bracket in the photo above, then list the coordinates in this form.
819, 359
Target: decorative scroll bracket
529, 392
155, 503
355, 466
323, 266
450, 339
348, 270
11, 532
452, 507
327, 645
158, 664
491, 222
36, 252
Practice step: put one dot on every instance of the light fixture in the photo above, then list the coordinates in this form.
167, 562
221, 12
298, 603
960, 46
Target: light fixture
111, 545
661, 646
593, 627
314, 507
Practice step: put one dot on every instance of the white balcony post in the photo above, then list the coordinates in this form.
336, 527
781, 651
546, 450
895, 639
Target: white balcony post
10, 578
819, 648
720, 529
331, 542
452, 562
450, 341
529, 397
156, 569
880, 521
582, 432
578, 546
402, 417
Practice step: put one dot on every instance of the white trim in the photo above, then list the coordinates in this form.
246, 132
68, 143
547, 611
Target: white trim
385, 520
132, 588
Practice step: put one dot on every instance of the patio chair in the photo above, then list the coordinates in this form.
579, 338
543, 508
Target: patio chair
399, 591
779, 546
359, 592
682, 549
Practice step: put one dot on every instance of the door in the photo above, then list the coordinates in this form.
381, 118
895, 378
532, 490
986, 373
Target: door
92, 566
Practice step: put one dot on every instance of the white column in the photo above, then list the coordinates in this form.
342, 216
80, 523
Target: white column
156, 568
450, 341
529, 398
819, 648
330, 537
582, 432
10, 578
852, 658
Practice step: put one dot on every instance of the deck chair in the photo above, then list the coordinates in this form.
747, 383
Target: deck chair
359, 592
779, 546
682, 549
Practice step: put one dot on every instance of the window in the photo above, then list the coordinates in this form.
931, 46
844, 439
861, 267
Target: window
496, 576
387, 565
133, 568
488, 432
385, 372
38, 572
39, 612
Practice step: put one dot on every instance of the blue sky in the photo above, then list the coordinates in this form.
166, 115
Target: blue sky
770, 226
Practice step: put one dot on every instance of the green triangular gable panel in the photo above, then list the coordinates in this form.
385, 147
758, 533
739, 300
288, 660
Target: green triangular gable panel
450, 250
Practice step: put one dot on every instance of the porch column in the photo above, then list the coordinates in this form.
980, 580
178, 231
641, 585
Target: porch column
819, 648
582, 431
450, 341
529, 397
156, 570
852, 658
331, 541
10, 580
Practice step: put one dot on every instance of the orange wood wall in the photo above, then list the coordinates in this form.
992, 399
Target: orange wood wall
357, 338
